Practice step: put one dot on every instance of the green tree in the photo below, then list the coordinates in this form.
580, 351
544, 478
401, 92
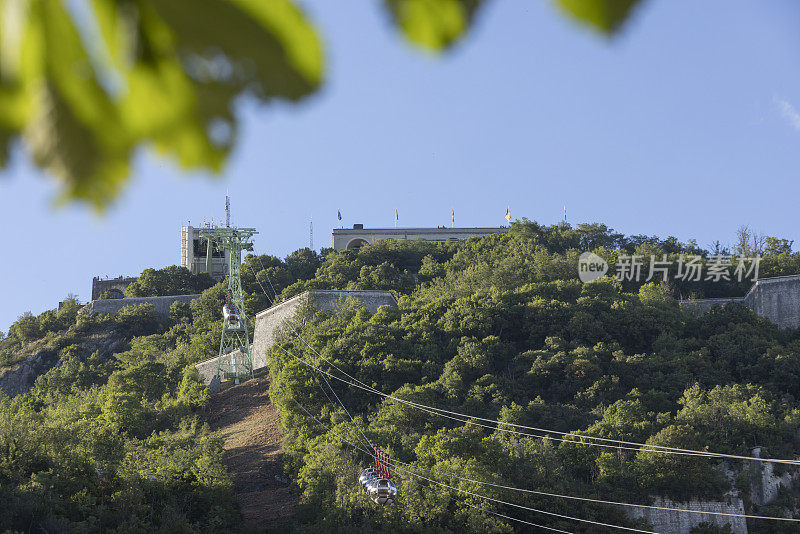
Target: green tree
137, 319
171, 280
775, 245
25, 329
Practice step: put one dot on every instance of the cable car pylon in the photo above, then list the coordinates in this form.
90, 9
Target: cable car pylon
234, 360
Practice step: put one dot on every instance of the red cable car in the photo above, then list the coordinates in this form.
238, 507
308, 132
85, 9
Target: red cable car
376, 481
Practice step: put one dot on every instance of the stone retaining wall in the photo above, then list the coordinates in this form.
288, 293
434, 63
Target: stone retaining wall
777, 299
675, 522
269, 321
112, 306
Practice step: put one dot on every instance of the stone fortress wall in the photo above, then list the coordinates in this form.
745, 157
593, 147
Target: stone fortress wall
777, 299
112, 306
678, 522
269, 322
114, 285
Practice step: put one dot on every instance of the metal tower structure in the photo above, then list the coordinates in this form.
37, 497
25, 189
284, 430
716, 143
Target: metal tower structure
234, 361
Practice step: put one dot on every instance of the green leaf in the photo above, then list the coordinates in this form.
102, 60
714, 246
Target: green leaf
433, 24
604, 15
268, 46
166, 73
74, 130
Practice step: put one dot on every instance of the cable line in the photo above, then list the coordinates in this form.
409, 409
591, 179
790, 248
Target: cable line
441, 412
476, 495
499, 501
398, 463
596, 501
585, 499
636, 445
370, 453
352, 419
570, 437
486, 510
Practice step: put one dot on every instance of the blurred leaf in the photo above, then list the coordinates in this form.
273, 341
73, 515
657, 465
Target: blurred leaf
167, 73
75, 131
264, 45
604, 15
433, 24
92, 170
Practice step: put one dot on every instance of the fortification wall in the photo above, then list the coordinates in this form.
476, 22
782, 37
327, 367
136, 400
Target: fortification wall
269, 322
675, 522
112, 306
777, 299
115, 285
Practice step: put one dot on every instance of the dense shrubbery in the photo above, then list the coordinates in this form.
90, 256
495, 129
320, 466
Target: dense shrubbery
115, 439
172, 280
500, 327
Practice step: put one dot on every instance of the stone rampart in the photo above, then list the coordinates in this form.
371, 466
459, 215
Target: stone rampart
112, 306
677, 522
269, 322
777, 299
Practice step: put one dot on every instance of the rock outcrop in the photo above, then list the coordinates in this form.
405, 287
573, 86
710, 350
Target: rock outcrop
44, 355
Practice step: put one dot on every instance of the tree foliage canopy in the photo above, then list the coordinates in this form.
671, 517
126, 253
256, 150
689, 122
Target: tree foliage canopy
498, 327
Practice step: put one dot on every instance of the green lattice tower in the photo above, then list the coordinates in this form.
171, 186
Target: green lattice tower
234, 360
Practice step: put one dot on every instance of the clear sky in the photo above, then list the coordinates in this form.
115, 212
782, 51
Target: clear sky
686, 124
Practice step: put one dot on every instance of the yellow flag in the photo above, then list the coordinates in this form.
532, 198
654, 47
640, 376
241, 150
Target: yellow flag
396, 216
508, 215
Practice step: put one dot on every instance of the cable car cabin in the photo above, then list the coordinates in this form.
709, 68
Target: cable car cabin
379, 489
382, 490
231, 315
376, 481
366, 475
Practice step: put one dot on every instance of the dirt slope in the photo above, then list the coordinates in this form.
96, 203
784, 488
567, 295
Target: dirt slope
251, 428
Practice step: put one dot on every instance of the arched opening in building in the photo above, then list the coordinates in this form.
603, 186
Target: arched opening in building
112, 293
356, 244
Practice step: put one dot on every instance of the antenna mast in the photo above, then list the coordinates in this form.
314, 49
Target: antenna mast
311, 233
227, 211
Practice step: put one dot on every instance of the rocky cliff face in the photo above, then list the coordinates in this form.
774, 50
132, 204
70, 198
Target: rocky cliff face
20, 377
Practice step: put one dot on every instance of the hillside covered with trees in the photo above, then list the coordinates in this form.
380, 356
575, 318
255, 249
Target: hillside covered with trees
114, 436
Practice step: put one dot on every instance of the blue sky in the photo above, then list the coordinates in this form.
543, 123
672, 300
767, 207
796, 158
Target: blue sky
686, 124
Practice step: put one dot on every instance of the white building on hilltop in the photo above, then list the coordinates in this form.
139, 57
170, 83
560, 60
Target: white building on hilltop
358, 236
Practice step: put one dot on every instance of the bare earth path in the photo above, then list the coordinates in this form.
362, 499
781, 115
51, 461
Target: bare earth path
251, 428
